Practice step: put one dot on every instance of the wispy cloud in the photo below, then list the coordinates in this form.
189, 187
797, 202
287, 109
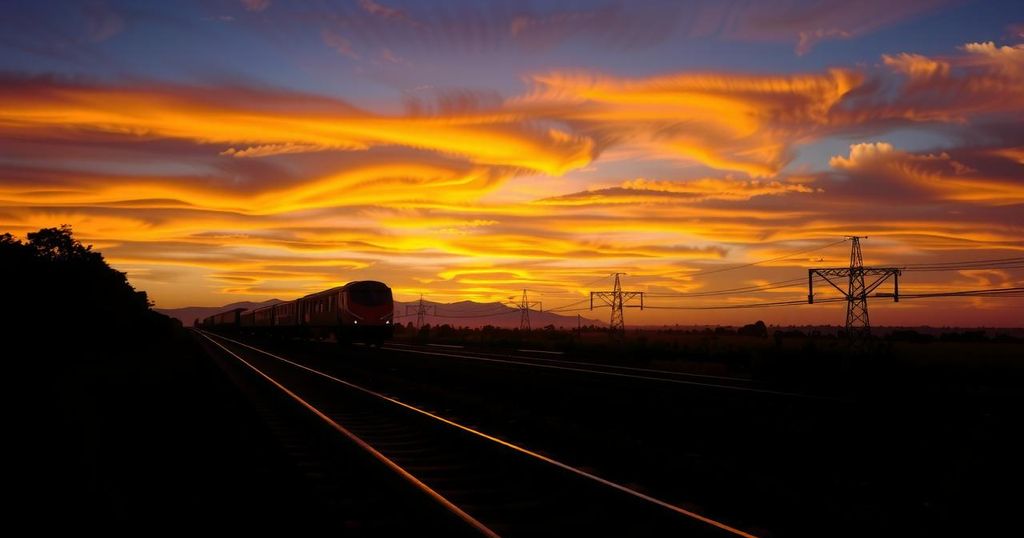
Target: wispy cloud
339, 43
729, 122
380, 10
255, 5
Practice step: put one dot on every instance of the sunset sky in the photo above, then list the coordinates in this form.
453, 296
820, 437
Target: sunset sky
245, 150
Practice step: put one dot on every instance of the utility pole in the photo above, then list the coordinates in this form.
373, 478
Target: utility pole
524, 307
421, 311
617, 299
858, 327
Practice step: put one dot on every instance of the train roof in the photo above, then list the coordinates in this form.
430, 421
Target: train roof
324, 292
341, 288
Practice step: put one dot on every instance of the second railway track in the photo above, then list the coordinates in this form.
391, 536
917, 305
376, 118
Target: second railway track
711, 382
502, 488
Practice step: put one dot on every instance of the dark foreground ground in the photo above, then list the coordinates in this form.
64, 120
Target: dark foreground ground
161, 436
916, 447
156, 433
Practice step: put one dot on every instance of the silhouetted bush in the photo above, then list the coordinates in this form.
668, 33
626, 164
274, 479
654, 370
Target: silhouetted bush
965, 336
909, 335
757, 329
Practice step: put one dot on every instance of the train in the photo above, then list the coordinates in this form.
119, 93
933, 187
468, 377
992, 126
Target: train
358, 311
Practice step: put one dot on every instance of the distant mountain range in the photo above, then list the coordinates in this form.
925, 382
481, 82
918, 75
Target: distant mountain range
472, 314
460, 314
189, 313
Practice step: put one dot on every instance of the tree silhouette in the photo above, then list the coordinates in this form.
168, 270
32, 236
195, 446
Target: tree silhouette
58, 291
56, 244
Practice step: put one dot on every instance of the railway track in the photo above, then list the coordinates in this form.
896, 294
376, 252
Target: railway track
494, 487
727, 383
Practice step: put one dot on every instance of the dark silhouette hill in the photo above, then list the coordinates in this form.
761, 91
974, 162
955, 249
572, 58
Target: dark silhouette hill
189, 314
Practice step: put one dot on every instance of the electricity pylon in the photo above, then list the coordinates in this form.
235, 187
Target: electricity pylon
858, 327
421, 311
524, 307
617, 299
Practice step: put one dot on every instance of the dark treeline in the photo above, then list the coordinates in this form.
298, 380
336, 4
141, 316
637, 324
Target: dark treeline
813, 358
121, 421
56, 287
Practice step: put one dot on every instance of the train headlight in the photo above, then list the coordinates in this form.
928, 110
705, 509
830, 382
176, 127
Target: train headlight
356, 321
388, 322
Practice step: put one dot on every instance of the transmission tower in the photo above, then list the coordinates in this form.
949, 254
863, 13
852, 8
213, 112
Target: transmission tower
858, 327
616, 299
421, 311
524, 307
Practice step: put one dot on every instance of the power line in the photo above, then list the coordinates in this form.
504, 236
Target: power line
575, 309
966, 268
565, 306
996, 261
510, 311
595, 281
794, 302
732, 291
990, 292
617, 299
995, 292
502, 312
759, 262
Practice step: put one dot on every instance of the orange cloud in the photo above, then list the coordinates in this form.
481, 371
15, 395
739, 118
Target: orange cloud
861, 154
274, 120
643, 191
806, 23
918, 67
936, 175
985, 79
728, 122
1007, 59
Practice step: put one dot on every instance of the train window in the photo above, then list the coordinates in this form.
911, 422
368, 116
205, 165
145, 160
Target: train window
369, 295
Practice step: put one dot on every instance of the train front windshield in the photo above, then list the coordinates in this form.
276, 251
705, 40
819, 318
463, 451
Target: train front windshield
369, 294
